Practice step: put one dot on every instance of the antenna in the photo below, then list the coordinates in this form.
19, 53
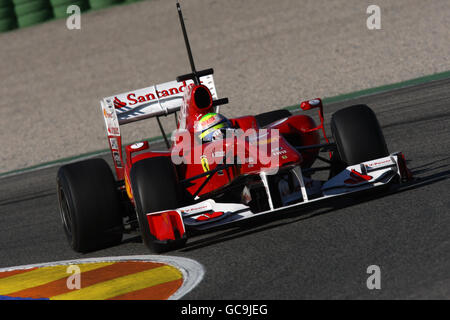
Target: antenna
195, 75
188, 47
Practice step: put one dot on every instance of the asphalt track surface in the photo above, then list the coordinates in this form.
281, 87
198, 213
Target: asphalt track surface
316, 254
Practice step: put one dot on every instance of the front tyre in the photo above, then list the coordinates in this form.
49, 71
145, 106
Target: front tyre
358, 135
155, 188
89, 205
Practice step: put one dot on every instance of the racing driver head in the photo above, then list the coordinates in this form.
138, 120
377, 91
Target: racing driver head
212, 126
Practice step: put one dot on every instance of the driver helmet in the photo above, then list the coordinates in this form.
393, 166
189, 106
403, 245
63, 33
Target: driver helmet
211, 127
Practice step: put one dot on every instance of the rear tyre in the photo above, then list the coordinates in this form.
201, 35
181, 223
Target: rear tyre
155, 188
358, 135
89, 205
266, 118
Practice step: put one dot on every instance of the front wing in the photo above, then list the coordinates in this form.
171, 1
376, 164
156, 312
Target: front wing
209, 214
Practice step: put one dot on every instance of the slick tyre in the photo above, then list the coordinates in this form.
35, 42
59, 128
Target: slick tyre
155, 188
266, 118
358, 135
89, 205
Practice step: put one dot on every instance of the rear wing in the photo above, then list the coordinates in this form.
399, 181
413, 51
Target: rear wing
151, 102
154, 101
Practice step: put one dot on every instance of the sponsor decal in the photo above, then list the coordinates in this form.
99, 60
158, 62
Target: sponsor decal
113, 131
119, 104
110, 278
117, 159
133, 98
279, 152
108, 114
379, 164
196, 209
114, 144
110, 118
199, 126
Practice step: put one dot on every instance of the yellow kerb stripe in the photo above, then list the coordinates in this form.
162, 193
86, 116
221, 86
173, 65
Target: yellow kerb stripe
122, 285
41, 276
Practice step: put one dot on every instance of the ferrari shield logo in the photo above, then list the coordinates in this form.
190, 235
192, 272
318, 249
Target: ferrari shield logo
205, 164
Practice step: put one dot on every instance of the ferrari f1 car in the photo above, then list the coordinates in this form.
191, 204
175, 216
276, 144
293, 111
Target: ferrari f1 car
255, 165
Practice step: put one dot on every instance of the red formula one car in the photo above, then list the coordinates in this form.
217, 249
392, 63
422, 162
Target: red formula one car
216, 171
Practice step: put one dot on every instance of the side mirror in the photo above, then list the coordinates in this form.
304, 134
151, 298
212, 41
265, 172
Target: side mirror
311, 104
135, 147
